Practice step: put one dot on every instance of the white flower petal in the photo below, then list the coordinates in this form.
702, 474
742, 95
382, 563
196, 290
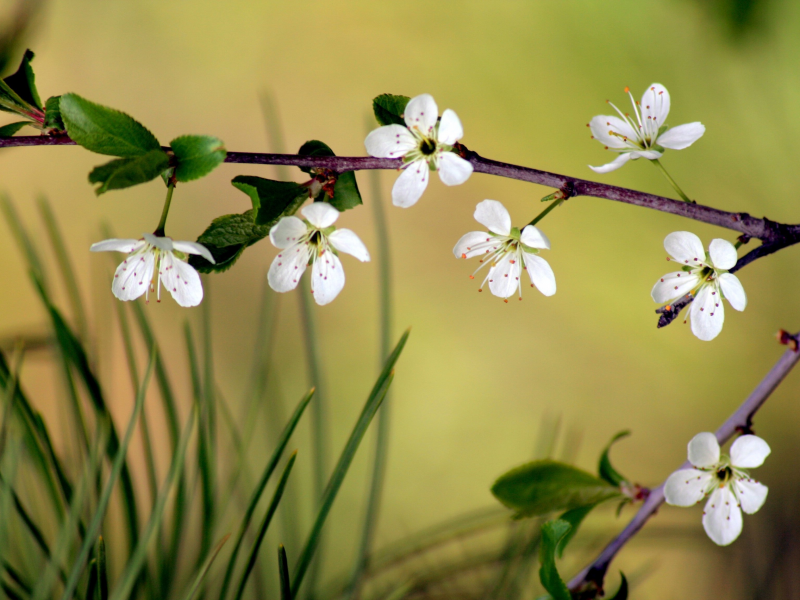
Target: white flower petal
320, 214
722, 518
703, 450
504, 276
193, 248
612, 131
181, 280
411, 184
450, 129
648, 154
685, 247
682, 136
494, 216
686, 487
673, 285
751, 494
346, 241
390, 141
613, 165
749, 451
161, 242
723, 254
708, 314
287, 268
327, 278
733, 291
126, 246
453, 170
287, 231
541, 274
422, 113
475, 243
655, 106
133, 276
534, 237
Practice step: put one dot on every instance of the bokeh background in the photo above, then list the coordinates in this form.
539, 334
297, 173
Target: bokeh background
480, 381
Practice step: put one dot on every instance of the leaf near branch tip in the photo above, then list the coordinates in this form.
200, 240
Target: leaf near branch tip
12, 128
197, 155
389, 109
552, 534
543, 486
126, 172
345, 190
105, 130
52, 114
271, 199
574, 517
604, 468
22, 84
226, 238
622, 592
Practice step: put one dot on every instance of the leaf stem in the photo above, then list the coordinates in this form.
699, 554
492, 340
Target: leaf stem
170, 188
672, 182
543, 214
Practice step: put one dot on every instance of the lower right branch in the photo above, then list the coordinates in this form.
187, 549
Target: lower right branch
589, 581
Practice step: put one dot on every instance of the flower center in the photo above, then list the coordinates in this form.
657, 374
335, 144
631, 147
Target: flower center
427, 146
724, 474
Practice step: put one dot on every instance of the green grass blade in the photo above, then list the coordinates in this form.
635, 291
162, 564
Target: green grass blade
201, 575
22, 238
105, 496
10, 392
283, 570
102, 569
273, 506
337, 477
10, 592
16, 577
259, 490
135, 563
269, 108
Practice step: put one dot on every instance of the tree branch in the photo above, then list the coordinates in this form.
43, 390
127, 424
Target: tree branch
590, 579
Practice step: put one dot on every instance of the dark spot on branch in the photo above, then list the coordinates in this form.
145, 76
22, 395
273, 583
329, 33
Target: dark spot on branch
671, 311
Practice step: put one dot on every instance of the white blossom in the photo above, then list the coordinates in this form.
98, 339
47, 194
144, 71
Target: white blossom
508, 249
646, 135
153, 261
312, 241
425, 145
723, 480
705, 276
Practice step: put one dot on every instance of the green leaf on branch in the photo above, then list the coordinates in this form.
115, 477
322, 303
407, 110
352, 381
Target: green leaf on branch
197, 155
389, 109
271, 199
52, 114
574, 517
552, 534
105, 130
543, 486
126, 172
227, 238
345, 190
604, 468
12, 128
23, 82
622, 592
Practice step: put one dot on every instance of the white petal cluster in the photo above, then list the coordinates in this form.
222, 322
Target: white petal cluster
704, 275
312, 241
725, 482
425, 145
509, 250
153, 261
646, 135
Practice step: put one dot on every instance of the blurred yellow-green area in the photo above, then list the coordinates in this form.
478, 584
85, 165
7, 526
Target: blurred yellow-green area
479, 376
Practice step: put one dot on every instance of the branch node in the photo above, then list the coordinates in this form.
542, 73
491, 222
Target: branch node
787, 339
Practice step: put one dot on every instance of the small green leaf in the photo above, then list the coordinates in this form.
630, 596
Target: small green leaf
226, 238
12, 128
52, 114
197, 155
126, 172
574, 517
105, 130
314, 148
543, 486
271, 199
23, 82
552, 534
622, 592
389, 109
604, 468
345, 190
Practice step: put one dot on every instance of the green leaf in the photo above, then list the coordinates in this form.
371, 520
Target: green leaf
105, 130
604, 468
389, 109
226, 238
197, 155
345, 190
542, 486
126, 172
574, 517
23, 82
12, 128
52, 114
314, 148
622, 592
552, 534
271, 199
283, 570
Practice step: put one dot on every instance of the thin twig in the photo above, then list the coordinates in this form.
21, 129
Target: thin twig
591, 578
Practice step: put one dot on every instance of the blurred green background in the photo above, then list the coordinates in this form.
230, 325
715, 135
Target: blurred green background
478, 377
